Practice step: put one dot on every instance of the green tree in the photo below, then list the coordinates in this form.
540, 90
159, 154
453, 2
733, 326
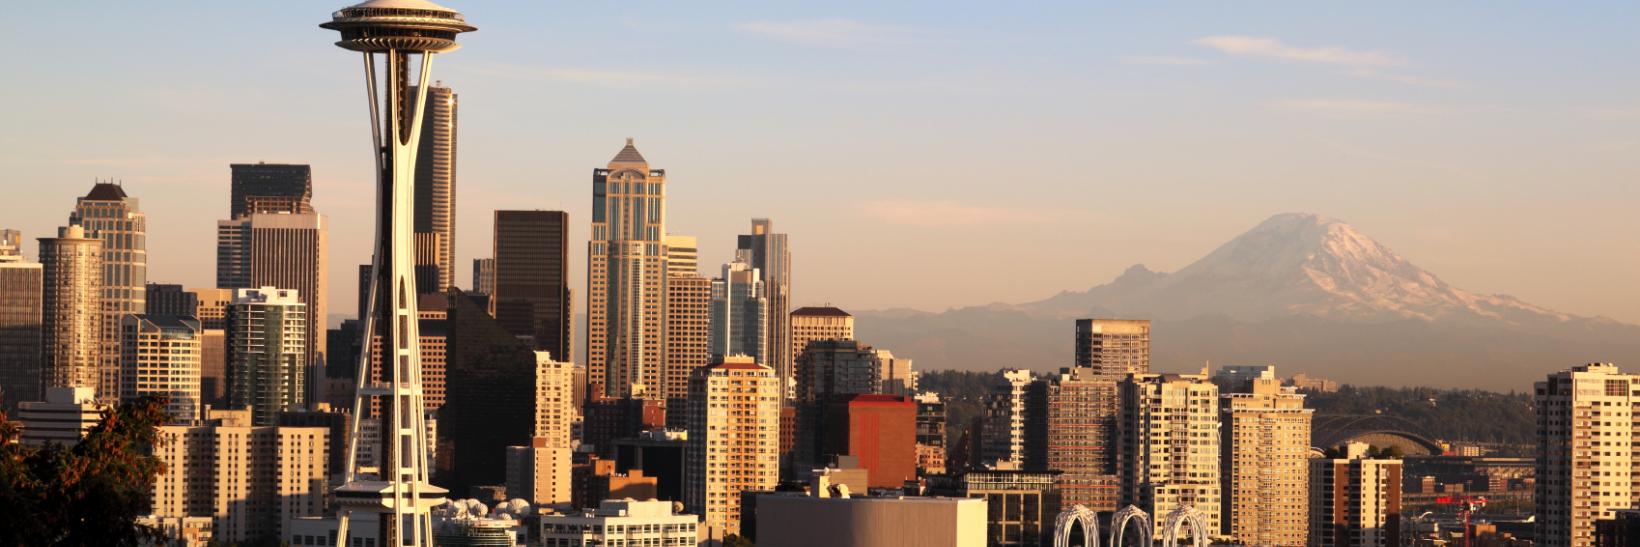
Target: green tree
86, 494
733, 540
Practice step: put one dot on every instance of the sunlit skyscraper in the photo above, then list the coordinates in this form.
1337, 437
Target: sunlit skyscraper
72, 310
108, 214
740, 313
770, 254
435, 212
626, 266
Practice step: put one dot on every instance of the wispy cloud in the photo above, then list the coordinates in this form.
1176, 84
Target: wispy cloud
929, 214
605, 77
1271, 48
1615, 113
1161, 60
1410, 79
1354, 107
832, 32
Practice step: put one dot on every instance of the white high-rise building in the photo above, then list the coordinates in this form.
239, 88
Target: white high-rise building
66, 415
161, 356
621, 522
1169, 448
1587, 466
734, 439
267, 352
1002, 442
1265, 459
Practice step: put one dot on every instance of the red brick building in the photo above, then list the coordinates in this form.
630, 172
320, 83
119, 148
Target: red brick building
880, 430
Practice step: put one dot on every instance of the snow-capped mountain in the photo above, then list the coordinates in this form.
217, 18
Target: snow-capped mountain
1303, 292
1296, 265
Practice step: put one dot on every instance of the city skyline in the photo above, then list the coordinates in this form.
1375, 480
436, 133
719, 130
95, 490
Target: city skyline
1499, 124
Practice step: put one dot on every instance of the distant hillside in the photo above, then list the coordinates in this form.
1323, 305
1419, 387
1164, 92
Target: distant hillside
1306, 293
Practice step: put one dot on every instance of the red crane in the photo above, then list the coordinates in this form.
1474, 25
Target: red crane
1466, 506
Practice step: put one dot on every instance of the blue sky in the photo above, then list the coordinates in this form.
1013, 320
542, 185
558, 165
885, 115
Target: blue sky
921, 154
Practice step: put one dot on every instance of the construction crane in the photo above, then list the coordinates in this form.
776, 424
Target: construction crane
1466, 505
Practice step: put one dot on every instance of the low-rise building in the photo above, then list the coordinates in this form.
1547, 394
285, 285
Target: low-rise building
63, 418
825, 520
622, 522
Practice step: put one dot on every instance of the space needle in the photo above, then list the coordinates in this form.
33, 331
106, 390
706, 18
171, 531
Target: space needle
400, 37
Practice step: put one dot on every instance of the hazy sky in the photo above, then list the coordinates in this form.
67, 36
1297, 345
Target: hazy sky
921, 154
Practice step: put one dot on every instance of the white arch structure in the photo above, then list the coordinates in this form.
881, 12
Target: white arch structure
1119, 524
1185, 515
1067, 520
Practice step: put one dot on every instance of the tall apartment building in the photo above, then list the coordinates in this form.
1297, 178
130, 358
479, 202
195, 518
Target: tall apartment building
71, 323
285, 251
770, 254
688, 317
267, 342
1355, 501
161, 356
1074, 431
269, 187
21, 286
812, 323
740, 320
435, 199
64, 417
550, 445
1264, 462
108, 214
734, 417
1113, 347
531, 297
930, 434
252, 481
626, 270
1583, 414
1002, 442
1169, 447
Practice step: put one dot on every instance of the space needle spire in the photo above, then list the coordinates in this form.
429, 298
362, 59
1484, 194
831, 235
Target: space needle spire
400, 37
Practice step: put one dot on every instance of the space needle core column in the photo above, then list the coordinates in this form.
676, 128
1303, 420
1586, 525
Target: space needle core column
394, 485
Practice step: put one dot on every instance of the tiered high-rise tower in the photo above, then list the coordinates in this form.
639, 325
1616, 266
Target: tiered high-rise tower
770, 254
626, 269
108, 214
397, 34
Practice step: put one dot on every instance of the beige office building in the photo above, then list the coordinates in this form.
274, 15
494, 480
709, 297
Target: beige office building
252, 481
71, 325
1587, 423
626, 271
1264, 459
688, 316
734, 438
1169, 447
540, 472
813, 323
1113, 348
106, 213
161, 356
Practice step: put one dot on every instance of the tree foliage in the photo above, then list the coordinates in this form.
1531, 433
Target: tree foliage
87, 494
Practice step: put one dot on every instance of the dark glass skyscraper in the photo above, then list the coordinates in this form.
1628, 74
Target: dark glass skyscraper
270, 187
435, 214
532, 296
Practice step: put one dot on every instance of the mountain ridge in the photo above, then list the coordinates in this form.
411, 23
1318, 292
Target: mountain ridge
1356, 303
